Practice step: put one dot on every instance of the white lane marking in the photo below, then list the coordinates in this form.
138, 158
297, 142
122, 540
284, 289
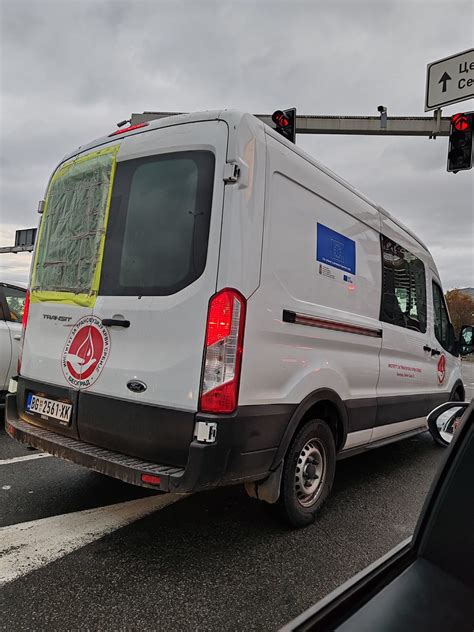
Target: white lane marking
28, 457
28, 546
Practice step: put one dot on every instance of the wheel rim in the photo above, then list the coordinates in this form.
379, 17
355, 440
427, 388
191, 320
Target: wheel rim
310, 473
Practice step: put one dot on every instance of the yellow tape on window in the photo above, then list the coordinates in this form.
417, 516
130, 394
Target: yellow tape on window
69, 253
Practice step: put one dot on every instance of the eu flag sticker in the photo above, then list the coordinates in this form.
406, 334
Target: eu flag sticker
335, 249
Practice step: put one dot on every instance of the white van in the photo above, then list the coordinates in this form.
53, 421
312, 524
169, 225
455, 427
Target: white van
209, 305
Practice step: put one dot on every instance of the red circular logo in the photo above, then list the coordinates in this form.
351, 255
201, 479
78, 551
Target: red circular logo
441, 369
85, 352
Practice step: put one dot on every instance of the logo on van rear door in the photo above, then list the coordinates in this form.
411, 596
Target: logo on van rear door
86, 351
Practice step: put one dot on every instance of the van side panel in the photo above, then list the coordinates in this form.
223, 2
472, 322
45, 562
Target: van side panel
285, 361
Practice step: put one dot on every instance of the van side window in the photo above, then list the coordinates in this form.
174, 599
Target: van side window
441, 319
403, 287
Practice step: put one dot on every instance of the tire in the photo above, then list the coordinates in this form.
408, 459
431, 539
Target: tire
308, 473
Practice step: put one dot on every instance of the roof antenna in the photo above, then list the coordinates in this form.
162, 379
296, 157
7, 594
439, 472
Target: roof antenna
122, 123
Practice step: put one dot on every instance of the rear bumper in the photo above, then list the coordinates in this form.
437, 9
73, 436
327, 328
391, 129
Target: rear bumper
208, 465
125, 468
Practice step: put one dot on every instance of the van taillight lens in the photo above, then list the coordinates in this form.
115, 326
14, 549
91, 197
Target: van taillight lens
223, 352
24, 323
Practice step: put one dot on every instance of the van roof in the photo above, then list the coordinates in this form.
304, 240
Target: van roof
233, 118
178, 119
403, 227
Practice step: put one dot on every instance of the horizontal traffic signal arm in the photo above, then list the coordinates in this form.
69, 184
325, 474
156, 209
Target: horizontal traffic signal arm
356, 125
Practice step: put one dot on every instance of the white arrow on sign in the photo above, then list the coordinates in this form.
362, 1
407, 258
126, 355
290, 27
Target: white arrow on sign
450, 80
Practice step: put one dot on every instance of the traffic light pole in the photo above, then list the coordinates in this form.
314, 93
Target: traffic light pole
24, 241
15, 249
382, 125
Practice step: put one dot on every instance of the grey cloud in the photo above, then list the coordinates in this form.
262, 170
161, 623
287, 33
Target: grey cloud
71, 70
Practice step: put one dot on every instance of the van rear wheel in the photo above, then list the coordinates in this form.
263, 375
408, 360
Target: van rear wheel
308, 473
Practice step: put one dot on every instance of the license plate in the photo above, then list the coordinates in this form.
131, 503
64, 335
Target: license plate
49, 408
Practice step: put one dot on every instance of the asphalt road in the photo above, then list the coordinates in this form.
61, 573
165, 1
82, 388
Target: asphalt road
213, 561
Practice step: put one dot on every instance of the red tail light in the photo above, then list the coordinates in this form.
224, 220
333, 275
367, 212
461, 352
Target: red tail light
24, 323
223, 352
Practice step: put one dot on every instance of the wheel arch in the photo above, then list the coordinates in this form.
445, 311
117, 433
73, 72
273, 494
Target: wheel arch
458, 388
324, 402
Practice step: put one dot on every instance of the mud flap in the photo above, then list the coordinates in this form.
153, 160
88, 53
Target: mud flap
267, 490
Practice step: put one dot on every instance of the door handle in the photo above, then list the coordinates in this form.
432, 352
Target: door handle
115, 322
426, 348
435, 352
17, 337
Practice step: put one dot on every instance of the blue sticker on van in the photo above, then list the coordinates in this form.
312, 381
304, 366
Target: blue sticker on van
335, 249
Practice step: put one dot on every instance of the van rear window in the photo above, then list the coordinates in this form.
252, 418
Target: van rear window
158, 230
72, 227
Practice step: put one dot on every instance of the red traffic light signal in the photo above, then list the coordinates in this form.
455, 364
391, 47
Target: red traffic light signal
285, 123
460, 122
280, 119
460, 142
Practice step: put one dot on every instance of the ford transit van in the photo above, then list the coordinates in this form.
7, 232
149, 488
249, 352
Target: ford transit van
208, 305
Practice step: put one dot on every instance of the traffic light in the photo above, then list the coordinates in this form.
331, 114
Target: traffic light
460, 142
285, 123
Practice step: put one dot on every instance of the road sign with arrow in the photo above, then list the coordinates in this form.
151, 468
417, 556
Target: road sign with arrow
450, 80
444, 80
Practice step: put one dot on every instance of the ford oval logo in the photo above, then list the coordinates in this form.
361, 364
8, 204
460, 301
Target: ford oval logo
136, 386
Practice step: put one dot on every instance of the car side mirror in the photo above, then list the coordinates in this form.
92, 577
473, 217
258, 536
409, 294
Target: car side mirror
466, 340
444, 420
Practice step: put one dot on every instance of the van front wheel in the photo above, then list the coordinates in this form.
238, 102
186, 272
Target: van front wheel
308, 473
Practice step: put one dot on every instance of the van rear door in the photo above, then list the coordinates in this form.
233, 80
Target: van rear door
159, 271
56, 360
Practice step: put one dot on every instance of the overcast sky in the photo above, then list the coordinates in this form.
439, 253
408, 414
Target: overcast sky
71, 69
